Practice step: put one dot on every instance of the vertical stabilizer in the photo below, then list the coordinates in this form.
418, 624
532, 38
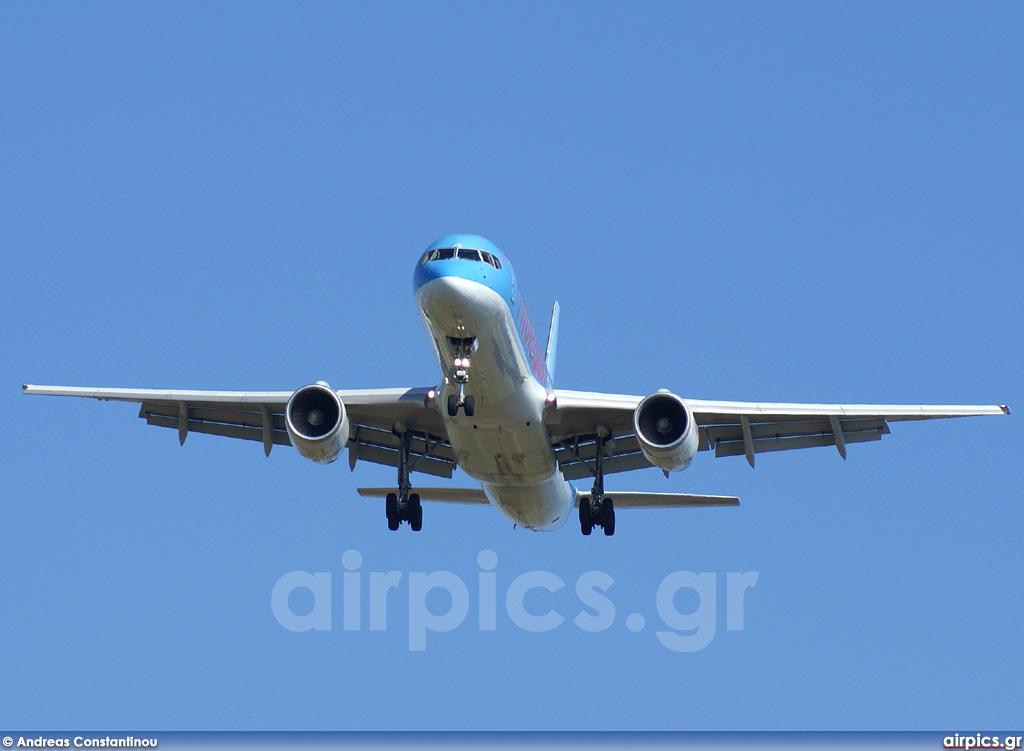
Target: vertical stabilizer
549, 355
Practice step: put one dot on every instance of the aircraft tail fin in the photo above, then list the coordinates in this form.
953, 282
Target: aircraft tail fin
549, 355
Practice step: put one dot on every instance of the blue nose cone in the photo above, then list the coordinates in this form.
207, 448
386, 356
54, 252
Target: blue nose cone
498, 276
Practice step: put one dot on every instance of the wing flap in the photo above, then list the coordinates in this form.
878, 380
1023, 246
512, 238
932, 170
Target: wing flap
577, 470
246, 418
244, 432
389, 458
424, 444
576, 458
584, 448
763, 445
734, 432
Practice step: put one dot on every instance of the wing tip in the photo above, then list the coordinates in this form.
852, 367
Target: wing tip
1005, 408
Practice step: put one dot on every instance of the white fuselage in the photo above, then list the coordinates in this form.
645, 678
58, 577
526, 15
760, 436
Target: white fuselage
505, 444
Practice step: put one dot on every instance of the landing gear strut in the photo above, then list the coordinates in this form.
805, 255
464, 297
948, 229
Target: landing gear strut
403, 506
467, 402
598, 511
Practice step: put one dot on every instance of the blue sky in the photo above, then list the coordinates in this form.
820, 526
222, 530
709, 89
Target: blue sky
788, 202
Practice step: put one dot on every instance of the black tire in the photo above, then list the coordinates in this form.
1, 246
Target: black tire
391, 509
415, 513
586, 520
608, 516
453, 405
470, 406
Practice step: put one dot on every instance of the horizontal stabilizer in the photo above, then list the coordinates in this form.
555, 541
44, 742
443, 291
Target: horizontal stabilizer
664, 500
472, 496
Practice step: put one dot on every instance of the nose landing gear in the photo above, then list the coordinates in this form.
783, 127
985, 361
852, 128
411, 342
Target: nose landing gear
461, 363
466, 401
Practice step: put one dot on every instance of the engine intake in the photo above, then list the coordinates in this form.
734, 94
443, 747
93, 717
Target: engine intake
317, 423
666, 431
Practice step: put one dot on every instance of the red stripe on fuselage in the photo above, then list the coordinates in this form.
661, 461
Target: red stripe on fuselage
531, 346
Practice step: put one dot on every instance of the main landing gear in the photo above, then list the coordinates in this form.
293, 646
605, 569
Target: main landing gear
601, 515
461, 363
403, 506
408, 510
598, 511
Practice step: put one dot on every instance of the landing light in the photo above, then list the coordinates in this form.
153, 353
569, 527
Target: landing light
431, 394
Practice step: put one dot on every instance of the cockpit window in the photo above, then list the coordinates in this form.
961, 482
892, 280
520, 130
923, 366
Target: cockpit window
437, 254
465, 254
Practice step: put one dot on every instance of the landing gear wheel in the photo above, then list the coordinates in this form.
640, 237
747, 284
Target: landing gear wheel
453, 405
470, 406
586, 519
391, 509
608, 517
415, 512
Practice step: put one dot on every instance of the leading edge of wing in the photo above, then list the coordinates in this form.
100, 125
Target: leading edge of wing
894, 412
351, 396
664, 500
584, 400
161, 395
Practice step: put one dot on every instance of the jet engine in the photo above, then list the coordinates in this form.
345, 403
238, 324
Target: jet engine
666, 431
317, 423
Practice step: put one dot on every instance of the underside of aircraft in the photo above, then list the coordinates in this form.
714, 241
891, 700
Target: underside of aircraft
496, 414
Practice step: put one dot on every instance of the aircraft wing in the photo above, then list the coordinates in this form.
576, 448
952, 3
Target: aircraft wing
729, 428
259, 416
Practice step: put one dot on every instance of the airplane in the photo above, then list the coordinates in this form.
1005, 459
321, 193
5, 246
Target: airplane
497, 415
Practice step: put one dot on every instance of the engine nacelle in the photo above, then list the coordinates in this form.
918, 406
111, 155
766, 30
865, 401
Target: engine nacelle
666, 431
317, 423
